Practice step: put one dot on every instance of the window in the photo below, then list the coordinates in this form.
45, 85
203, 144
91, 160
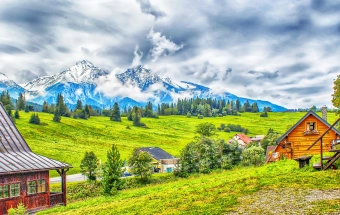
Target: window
3, 191
31, 187
41, 186
14, 190
311, 126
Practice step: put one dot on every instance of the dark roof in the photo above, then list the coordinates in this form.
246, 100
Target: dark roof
15, 155
157, 153
301, 120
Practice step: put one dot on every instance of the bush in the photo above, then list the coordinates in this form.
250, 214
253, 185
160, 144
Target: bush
253, 156
265, 114
227, 129
200, 116
34, 119
189, 115
20, 210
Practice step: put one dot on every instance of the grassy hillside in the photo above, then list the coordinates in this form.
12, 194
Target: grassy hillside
278, 188
69, 140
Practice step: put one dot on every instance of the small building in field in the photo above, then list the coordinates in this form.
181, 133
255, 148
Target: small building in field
295, 142
242, 139
257, 138
163, 161
24, 175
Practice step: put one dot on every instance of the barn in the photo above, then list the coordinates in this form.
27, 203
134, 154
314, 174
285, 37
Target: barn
24, 175
298, 141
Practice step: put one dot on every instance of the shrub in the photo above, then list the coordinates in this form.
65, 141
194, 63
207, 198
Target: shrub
253, 156
20, 210
34, 119
227, 129
200, 116
265, 114
189, 115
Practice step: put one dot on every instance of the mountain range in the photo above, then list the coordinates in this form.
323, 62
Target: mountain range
84, 81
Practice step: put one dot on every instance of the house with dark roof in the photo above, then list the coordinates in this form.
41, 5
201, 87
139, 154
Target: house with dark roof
164, 162
24, 175
297, 141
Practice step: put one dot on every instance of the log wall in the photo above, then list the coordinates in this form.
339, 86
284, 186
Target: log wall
301, 142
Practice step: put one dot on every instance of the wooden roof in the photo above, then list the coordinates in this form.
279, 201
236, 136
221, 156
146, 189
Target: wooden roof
15, 155
301, 120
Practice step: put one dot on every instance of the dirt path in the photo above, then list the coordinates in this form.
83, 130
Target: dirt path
287, 201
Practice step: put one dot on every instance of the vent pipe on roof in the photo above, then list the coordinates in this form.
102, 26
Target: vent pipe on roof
324, 112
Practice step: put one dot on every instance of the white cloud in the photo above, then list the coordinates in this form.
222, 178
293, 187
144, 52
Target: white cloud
112, 87
138, 56
161, 46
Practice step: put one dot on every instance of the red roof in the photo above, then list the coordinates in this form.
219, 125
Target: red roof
244, 138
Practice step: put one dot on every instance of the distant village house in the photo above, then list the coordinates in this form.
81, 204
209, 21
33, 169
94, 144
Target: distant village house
163, 161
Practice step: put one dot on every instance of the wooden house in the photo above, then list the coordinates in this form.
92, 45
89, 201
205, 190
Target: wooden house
298, 140
24, 175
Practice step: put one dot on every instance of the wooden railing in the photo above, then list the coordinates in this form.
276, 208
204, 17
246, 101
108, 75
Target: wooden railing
56, 199
320, 139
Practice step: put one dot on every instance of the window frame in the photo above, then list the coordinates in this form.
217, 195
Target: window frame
308, 126
41, 185
4, 191
15, 188
30, 186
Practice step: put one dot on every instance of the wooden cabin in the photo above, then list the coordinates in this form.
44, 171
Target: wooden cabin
24, 175
295, 142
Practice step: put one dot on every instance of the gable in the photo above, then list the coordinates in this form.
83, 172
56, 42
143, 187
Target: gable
301, 125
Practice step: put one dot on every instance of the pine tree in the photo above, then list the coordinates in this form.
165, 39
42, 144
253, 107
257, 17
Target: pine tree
21, 103
112, 171
88, 166
115, 114
45, 107
79, 105
87, 111
57, 117
136, 118
27, 109
16, 114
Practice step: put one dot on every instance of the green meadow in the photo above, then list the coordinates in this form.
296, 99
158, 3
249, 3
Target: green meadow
69, 140
277, 188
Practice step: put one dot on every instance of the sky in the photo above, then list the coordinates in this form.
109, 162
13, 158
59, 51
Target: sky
286, 51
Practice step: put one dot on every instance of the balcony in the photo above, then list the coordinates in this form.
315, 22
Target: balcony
56, 199
310, 132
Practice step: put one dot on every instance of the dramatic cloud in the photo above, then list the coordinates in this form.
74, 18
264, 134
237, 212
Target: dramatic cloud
147, 8
161, 46
138, 56
285, 52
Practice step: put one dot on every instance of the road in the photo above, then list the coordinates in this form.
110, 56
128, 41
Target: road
69, 178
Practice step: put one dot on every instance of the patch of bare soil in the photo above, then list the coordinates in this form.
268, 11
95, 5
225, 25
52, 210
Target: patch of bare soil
284, 201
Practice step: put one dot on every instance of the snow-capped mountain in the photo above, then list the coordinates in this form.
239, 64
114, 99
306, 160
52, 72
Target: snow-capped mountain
80, 82
9, 85
84, 72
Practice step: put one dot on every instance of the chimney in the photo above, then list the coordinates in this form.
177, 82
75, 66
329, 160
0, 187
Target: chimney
324, 112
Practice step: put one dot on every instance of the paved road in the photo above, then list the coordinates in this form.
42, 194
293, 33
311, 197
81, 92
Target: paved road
69, 178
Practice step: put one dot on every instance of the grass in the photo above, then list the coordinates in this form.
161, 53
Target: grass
217, 193
69, 140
